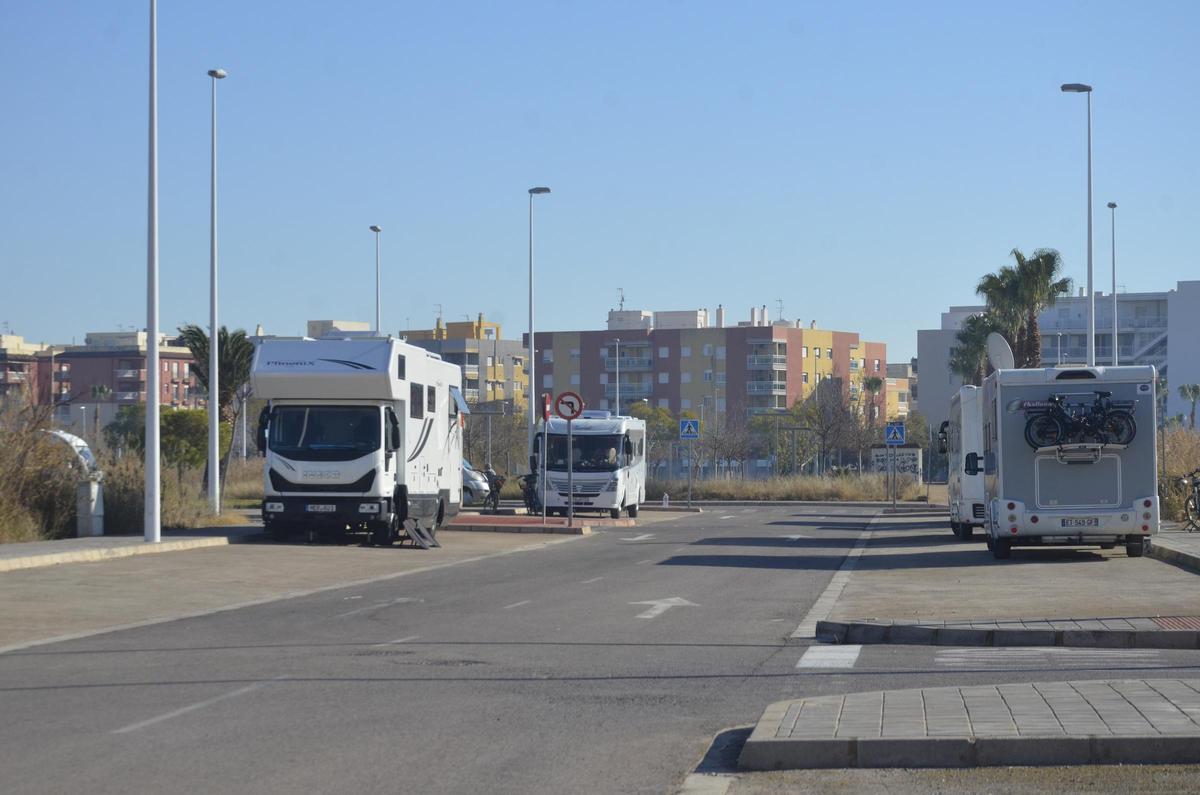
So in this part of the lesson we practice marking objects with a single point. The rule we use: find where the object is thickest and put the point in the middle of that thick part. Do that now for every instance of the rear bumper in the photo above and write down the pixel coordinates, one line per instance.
(1013, 519)
(340, 510)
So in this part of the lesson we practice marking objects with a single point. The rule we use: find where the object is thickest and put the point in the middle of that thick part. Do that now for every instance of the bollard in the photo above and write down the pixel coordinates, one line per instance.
(666, 500)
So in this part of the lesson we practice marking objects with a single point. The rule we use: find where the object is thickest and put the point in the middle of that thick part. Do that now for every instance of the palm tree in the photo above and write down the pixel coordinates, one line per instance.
(968, 359)
(1038, 284)
(1191, 392)
(1002, 292)
(871, 385)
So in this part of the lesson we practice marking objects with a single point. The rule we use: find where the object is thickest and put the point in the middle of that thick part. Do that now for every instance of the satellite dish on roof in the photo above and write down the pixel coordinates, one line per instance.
(999, 353)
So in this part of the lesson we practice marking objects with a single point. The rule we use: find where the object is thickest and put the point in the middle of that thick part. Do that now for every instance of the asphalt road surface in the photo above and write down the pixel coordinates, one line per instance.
(606, 664)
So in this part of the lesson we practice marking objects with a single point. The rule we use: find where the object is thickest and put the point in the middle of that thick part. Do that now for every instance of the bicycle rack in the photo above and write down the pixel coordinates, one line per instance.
(1079, 452)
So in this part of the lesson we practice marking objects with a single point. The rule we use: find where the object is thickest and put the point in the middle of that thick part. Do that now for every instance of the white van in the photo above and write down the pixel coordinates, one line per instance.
(960, 435)
(361, 433)
(609, 473)
(1069, 457)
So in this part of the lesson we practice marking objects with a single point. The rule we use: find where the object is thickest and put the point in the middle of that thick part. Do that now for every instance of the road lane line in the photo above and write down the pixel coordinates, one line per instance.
(589, 582)
(405, 639)
(241, 691)
(731, 516)
(378, 606)
(807, 630)
(517, 604)
(647, 560)
(829, 657)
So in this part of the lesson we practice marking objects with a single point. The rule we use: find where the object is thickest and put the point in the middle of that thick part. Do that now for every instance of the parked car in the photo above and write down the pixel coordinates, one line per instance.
(475, 485)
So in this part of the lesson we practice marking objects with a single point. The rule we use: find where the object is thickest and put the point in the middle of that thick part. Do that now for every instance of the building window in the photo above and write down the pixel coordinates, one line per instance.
(548, 356)
(547, 382)
(708, 375)
(488, 360)
(416, 401)
(400, 367)
(685, 378)
(174, 369)
(721, 404)
(829, 353)
(804, 352)
(708, 350)
(685, 351)
(574, 353)
(720, 351)
(877, 365)
(818, 378)
(574, 379)
(664, 403)
(721, 377)
(685, 404)
(664, 352)
(664, 378)
(804, 378)
(816, 352)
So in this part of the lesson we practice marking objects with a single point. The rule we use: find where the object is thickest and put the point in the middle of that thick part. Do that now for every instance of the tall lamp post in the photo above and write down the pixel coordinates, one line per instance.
(1112, 206)
(151, 508)
(214, 393)
(533, 389)
(1083, 88)
(618, 390)
(376, 229)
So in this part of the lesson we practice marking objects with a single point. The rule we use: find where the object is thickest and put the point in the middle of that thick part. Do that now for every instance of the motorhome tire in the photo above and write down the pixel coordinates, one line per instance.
(1002, 549)
(384, 534)
(990, 543)
(614, 513)
(279, 533)
(1135, 546)
(632, 511)
(966, 531)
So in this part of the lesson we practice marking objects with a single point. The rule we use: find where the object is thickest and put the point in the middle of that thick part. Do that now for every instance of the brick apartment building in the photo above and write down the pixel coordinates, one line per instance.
(681, 362)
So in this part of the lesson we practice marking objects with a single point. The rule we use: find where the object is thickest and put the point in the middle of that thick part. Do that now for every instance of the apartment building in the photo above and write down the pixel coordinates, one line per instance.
(687, 365)
(493, 367)
(1158, 328)
(902, 389)
(18, 365)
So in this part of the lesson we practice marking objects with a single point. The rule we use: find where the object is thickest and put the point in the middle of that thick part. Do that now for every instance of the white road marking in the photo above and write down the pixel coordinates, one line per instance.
(1049, 656)
(829, 657)
(589, 582)
(241, 691)
(517, 604)
(792, 537)
(828, 598)
(660, 606)
(647, 560)
(707, 784)
(378, 606)
(730, 516)
(642, 537)
(405, 639)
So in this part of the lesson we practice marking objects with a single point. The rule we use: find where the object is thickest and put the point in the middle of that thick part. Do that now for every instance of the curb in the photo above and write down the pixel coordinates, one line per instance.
(670, 509)
(917, 635)
(580, 530)
(111, 553)
(1184, 560)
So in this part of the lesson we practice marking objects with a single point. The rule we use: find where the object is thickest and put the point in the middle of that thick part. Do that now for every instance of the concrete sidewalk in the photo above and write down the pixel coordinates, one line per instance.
(1137, 721)
(1175, 545)
(35, 554)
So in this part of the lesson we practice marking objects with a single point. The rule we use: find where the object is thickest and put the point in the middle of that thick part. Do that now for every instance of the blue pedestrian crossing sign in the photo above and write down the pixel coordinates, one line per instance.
(894, 435)
(689, 429)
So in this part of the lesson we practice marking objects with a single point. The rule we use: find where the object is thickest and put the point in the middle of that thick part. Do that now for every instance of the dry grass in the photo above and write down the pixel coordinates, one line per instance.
(799, 487)
(37, 475)
(1181, 450)
(244, 483)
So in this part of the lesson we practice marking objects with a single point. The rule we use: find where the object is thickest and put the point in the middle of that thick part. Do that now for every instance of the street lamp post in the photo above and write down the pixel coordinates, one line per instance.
(533, 390)
(151, 508)
(618, 389)
(1112, 206)
(1083, 88)
(214, 399)
(376, 229)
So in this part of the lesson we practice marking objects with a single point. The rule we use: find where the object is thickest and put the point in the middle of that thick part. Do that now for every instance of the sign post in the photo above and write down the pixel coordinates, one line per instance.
(689, 431)
(569, 406)
(545, 421)
(894, 437)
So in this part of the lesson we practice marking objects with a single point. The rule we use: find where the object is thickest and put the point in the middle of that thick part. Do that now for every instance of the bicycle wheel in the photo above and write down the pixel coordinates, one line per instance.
(1043, 430)
(1120, 427)
(1191, 513)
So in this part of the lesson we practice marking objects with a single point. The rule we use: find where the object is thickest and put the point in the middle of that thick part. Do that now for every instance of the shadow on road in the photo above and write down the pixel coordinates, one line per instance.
(782, 543)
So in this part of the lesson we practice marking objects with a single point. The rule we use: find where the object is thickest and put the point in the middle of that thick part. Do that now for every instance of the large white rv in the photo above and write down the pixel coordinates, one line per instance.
(963, 434)
(362, 433)
(1069, 457)
(609, 473)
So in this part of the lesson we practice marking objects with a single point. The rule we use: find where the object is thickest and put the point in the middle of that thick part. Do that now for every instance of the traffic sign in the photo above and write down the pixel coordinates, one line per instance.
(894, 436)
(568, 405)
(689, 429)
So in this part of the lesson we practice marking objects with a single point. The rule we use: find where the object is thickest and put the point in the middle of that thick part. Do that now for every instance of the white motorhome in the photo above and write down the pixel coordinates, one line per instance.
(960, 435)
(609, 454)
(360, 433)
(1069, 457)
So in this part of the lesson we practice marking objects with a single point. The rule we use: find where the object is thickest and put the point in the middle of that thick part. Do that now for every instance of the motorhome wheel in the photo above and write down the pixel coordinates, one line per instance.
(1001, 549)
(1135, 546)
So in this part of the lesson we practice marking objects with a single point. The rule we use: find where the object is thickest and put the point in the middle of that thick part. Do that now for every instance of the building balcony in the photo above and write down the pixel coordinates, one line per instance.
(629, 364)
(628, 391)
(129, 397)
(472, 395)
(758, 411)
(130, 375)
(470, 370)
(15, 376)
(774, 361)
(766, 387)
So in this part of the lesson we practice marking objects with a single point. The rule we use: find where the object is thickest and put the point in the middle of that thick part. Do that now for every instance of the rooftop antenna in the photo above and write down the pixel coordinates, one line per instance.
(779, 303)
(439, 314)
(620, 299)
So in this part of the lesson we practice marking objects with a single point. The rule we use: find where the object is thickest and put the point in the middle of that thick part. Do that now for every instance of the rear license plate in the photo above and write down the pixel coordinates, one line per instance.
(1090, 521)
(332, 508)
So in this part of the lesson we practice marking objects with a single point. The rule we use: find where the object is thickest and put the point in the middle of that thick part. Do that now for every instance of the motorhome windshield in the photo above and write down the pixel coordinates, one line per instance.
(324, 433)
(599, 453)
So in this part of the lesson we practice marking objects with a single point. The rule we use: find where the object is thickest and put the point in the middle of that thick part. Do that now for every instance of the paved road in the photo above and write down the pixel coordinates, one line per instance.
(605, 664)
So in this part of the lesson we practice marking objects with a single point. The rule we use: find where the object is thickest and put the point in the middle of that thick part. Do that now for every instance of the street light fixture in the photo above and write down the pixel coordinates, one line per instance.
(1083, 88)
(214, 399)
(533, 390)
(376, 229)
(1112, 206)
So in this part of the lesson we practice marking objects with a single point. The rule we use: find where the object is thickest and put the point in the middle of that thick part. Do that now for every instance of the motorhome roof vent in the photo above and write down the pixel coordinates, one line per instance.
(1074, 375)
(596, 414)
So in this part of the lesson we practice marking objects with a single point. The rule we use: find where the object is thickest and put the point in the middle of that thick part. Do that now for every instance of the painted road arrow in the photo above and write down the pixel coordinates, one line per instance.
(795, 537)
(660, 606)
(642, 537)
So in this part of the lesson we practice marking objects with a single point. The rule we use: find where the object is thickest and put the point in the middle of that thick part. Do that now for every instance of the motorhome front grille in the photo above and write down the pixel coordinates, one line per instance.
(581, 489)
(977, 510)
(283, 485)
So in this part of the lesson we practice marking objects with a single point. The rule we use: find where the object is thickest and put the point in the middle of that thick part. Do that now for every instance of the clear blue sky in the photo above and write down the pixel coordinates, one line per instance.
(865, 162)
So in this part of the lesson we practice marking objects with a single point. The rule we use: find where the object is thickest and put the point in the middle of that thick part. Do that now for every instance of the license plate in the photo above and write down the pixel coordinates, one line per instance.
(1090, 521)
(320, 508)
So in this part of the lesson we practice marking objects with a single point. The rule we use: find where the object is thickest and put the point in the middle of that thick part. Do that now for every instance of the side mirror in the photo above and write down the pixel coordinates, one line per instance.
(394, 436)
(971, 465)
(628, 447)
(533, 465)
(264, 417)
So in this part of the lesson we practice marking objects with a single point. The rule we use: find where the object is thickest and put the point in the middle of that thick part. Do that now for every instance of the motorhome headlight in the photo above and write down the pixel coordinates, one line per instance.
(611, 485)
(274, 507)
(368, 507)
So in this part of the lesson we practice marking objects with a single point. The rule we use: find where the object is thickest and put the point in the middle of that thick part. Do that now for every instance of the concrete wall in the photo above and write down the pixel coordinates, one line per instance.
(1183, 353)
(937, 383)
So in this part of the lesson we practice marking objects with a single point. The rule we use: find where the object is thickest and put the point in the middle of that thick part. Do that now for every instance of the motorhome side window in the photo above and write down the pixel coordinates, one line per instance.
(400, 367)
(416, 401)
(431, 406)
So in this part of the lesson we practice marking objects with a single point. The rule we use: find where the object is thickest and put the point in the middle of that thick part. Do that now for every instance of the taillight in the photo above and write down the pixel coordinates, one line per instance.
(1033, 519)
(1012, 506)
(1145, 528)
(1012, 530)
(1147, 503)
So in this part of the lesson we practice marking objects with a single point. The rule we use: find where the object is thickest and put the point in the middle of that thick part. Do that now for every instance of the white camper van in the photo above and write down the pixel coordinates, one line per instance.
(960, 435)
(1069, 457)
(609, 473)
(362, 433)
